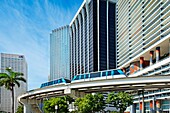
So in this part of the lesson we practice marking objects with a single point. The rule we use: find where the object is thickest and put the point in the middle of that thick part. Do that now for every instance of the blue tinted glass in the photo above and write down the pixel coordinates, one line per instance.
(94, 75)
(50, 83)
(86, 76)
(112, 73)
(77, 78)
(103, 73)
(82, 76)
(74, 77)
(59, 81)
(106, 73)
(109, 73)
(120, 71)
(55, 82)
(63, 80)
(116, 72)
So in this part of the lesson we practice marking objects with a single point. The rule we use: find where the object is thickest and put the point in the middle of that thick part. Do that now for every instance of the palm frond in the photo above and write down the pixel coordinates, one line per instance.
(1, 83)
(3, 75)
(10, 79)
(20, 79)
(9, 70)
(19, 74)
(18, 84)
(7, 84)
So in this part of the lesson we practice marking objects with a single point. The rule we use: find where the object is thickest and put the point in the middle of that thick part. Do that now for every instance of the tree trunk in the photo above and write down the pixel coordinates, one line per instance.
(12, 90)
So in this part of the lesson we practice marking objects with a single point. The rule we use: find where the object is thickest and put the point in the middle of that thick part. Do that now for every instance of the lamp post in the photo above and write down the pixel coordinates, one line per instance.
(56, 107)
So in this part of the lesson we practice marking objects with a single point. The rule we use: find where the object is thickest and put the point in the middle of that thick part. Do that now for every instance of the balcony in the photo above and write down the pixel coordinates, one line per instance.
(160, 68)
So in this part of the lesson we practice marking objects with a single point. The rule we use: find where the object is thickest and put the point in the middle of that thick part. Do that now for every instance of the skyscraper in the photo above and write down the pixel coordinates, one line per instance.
(93, 37)
(143, 47)
(59, 53)
(18, 64)
(141, 29)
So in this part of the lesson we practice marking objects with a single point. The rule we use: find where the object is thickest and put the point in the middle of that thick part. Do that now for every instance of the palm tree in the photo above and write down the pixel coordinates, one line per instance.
(9, 80)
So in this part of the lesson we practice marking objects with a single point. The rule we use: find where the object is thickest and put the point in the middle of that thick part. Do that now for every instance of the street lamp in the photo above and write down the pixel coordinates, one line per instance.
(56, 107)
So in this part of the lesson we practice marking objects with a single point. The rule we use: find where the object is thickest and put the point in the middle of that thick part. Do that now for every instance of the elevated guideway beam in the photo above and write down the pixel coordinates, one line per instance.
(78, 89)
(135, 83)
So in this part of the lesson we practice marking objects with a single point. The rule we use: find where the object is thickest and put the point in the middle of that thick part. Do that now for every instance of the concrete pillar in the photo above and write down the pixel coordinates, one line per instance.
(154, 107)
(143, 102)
(133, 108)
(27, 108)
(124, 70)
(157, 54)
(151, 106)
(158, 106)
(140, 107)
(141, 62)
(140, 104)
(151, 57)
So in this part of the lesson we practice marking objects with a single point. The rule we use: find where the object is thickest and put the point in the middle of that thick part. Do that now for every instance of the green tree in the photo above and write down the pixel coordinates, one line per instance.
(20, 109)
(90, 103)
(61, 102)
(120, 100)
(9, 80)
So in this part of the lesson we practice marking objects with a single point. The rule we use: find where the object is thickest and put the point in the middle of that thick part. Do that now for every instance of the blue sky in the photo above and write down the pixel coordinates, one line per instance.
(25, 27)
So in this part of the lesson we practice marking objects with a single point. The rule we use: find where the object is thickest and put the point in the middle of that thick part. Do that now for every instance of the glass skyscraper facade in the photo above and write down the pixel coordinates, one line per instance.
(59, 53)
(17, 64)
(93, 37)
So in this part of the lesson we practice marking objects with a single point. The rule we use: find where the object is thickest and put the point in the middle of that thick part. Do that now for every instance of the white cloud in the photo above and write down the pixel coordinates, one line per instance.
(25, 29)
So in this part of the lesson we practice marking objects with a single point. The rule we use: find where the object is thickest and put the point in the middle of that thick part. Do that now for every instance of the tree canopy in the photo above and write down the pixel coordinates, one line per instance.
(120, 100)
(61, 102)
(20, 109)
(90, 103)
(10, 79)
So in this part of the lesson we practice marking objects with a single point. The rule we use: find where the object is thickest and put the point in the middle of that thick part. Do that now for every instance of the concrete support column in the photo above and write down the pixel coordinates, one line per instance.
(157, 54)
(151, 57)
(140, 104)
(133, 108)
(141, 62)
(27, 108)
(158, 106)
(143, 102)
(140, 107)
(154, 107)
(151, 106)
(124, 70)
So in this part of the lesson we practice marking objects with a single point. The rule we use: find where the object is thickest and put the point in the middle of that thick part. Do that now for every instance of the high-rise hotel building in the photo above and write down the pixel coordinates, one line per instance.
(59, 53)
(143, 47)
(143, 28)
(18, 64)
(93, 37)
